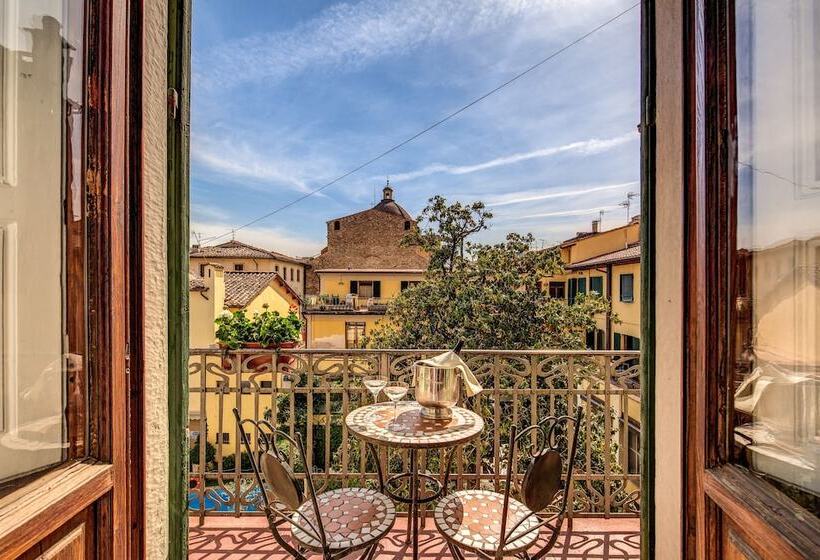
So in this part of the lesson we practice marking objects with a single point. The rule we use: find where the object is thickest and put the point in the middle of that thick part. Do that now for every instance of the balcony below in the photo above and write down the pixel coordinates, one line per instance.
(248, 538)
(350, 304)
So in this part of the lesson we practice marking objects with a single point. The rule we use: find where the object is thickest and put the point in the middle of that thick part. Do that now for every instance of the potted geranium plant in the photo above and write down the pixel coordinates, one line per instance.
(268, 329)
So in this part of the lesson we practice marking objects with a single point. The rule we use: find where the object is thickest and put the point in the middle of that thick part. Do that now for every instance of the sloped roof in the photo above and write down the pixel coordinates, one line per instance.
(387, 205)
(242, 287)
(392, 207)
(237, 249)
(196, 283)
(630, 254)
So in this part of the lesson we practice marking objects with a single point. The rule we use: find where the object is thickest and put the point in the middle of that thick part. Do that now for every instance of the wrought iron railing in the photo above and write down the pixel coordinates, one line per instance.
(310, 391)
(337, 304)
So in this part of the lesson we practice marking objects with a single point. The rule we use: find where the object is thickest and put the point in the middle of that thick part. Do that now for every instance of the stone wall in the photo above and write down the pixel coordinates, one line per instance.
(366, 240)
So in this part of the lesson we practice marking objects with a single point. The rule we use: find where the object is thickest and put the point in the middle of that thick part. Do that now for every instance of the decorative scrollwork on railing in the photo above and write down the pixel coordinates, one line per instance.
(310, 392)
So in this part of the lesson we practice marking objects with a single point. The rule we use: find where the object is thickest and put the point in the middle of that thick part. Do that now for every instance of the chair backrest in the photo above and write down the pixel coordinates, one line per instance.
(542, 479)
(270, 464)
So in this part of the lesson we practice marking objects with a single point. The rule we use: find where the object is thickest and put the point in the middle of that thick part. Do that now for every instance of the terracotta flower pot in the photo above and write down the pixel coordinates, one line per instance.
(261, 361)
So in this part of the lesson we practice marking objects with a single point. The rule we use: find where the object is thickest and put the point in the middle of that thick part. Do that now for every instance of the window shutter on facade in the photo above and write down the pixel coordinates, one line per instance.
(377, 288)
(354, 287)
(596, 284)
(617, 341)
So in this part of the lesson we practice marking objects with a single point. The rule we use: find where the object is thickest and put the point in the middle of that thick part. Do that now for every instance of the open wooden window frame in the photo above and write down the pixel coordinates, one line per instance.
(101, 480)
(717, 491)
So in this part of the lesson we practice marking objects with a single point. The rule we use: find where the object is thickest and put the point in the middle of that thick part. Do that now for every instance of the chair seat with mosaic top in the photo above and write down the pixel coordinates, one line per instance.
(334, 523)
(494, 525)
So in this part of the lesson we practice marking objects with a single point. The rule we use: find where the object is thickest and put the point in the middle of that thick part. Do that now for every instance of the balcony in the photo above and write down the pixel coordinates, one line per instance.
(349, 304)
(310, 391)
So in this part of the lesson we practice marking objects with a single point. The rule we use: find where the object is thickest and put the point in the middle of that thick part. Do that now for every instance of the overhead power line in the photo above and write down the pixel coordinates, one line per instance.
(429, 128)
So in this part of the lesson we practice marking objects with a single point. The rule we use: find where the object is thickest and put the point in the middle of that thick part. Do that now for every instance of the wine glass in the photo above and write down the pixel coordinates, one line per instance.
(395, 391)
(375, 385)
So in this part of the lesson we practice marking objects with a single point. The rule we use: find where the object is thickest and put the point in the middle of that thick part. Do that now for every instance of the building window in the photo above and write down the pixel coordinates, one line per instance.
(616, 341)
(337, 225)
(291, 275)
(576, 286)
(276, 269)
(599, 339)
(596, 284)
(407, 284)
(627, 284)
(590, 340)
(407, 225)
(557, 290)
(223, 437)
(238, 267)
(298, 275)
(202, 270)
(632, 342)
(366, 288)
(245, 387)
(354, 334)
(633, 450)
(266, 384)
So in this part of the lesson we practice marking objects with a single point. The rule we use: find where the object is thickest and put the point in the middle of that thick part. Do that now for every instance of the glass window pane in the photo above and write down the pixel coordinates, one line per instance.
(41, 340)
(777, 383)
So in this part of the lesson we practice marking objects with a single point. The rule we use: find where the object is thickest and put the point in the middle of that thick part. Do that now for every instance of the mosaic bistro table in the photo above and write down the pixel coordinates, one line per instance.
(406, 428)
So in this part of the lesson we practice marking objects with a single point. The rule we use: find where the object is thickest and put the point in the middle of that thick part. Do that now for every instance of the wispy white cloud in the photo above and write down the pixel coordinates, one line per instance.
(239, 162)
(537, 196)
(582, 147)
(277, 239)
(351, 35)
(574, 212)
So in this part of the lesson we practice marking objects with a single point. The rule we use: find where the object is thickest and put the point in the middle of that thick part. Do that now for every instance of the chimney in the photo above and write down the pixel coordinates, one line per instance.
(595, 225)
(387, 191)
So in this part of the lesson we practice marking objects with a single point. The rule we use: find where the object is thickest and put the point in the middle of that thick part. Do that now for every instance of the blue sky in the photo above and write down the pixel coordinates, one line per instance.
(288, 95)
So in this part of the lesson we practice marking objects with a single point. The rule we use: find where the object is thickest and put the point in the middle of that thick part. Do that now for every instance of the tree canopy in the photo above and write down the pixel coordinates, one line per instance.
(488, 295)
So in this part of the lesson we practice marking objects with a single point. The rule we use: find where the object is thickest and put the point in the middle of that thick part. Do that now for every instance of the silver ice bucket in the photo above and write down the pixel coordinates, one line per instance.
(437, 390)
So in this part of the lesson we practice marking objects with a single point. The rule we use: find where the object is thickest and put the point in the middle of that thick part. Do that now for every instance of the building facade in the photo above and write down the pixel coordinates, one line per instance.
(608, 263)
(236, 256)
(209, 295)
(363, 267)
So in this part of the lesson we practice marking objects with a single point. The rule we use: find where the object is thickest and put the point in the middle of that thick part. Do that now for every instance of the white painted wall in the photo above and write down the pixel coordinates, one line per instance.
(156, 272)
(668, 440)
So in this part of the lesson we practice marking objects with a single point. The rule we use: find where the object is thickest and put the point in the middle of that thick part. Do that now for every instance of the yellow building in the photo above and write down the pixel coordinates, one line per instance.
(217, 290)
(362, 268)
(240, 257)
(609, 263)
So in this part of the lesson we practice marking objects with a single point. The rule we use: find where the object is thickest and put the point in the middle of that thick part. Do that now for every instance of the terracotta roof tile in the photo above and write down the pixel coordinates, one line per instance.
(237, 249)
(196, 283)
(242, 287)
(630, 254)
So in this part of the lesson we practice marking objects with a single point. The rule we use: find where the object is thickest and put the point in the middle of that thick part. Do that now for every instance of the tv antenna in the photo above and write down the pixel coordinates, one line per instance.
(628, 202)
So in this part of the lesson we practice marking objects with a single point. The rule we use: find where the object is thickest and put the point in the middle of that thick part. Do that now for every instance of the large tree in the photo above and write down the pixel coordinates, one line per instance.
(489, 295)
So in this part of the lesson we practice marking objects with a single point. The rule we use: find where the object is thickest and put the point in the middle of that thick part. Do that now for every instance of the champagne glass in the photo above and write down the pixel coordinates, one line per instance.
(395, 391)
(375, 385)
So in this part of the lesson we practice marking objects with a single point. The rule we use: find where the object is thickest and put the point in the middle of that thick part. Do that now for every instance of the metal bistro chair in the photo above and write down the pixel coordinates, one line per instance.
(493, 525)
(333, 523)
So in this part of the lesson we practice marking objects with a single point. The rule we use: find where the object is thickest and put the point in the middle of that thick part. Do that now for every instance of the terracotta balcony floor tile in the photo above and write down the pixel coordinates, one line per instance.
(248, 538)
